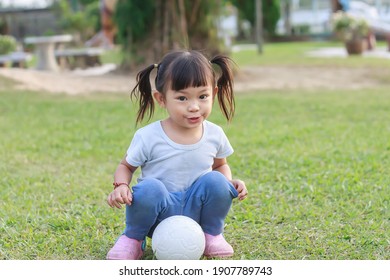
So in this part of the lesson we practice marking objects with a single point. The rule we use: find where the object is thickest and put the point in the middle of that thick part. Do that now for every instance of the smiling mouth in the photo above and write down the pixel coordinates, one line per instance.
(194, 119)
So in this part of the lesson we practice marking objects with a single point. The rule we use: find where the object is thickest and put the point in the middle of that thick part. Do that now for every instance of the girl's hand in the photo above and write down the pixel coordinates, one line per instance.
(241, 188)
(121, 195)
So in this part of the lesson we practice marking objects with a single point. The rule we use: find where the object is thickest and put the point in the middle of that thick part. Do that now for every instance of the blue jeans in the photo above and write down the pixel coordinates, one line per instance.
(207, 201)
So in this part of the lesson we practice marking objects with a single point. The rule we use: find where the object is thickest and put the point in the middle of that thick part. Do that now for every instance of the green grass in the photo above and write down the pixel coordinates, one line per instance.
(316, 164)
(295, 54)
(112, 56)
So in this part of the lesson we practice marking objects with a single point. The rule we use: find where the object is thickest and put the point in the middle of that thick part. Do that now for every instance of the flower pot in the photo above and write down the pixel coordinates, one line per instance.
(355, 47)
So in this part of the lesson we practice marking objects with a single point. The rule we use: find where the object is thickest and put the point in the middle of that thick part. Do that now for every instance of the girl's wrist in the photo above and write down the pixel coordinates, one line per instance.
(117, 184)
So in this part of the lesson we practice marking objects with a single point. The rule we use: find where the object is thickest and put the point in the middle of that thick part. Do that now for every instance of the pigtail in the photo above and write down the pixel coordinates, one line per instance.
(225, 85)
(143, 92)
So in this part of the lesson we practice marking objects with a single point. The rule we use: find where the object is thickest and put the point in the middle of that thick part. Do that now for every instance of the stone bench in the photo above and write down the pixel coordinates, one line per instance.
(79, 58)
(44, 50)
(16, 59)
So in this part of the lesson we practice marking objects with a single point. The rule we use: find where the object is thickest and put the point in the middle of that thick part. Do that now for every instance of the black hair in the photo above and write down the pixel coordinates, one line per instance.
(182, 69)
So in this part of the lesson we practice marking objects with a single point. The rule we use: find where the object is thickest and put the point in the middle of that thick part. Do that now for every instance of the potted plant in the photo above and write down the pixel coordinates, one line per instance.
(353, 31)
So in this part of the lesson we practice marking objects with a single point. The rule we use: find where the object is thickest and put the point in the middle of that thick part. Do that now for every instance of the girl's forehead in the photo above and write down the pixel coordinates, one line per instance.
(180, 83)
(195, 89)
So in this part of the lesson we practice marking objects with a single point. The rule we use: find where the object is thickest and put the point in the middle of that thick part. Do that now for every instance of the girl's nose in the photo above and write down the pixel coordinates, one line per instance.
(194, 106)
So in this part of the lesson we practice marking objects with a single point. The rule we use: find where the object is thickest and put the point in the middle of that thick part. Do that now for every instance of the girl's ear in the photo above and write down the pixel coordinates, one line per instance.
(215, 91)
(159, 97)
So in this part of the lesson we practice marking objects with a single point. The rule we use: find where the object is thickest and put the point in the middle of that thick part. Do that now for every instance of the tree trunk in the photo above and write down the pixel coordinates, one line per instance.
(183, 24)
(165, 37)
(169, 24)
(158, 43)
(336, 6)
(259, 26)
(194, 12)
(287, 17)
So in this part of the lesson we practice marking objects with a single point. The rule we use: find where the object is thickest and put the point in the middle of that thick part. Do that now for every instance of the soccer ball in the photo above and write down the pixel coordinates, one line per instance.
(178, 238)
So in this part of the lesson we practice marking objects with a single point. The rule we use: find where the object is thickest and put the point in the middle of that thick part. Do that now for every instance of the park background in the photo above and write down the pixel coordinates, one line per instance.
(311, 137)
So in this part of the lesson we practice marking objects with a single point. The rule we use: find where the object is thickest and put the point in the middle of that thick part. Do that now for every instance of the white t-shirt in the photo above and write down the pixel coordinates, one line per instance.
(177, 166)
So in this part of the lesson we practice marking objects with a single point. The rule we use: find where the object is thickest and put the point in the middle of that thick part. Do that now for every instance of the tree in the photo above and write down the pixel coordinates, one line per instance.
(271, 13)
(147, 29)
(81, 23)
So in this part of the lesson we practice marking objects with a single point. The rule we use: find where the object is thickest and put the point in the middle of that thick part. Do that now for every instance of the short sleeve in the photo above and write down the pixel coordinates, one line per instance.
(225, 149)
(136, 154)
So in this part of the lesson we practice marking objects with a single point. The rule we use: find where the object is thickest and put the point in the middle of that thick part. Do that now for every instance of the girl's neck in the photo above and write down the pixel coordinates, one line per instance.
(181, 135)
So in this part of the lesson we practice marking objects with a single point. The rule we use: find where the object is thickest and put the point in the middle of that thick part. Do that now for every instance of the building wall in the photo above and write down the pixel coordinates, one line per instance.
(29, 22)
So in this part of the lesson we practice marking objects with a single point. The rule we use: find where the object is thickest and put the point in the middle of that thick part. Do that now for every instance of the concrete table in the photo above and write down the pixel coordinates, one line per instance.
(45, 50)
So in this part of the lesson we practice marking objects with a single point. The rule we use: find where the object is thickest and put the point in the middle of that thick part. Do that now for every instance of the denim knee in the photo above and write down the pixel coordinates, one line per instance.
(215, 184)
(149, 199)
(209, 201)
(149, 192)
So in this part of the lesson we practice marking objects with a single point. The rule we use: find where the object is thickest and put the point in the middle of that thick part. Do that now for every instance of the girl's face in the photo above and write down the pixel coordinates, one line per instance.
(189, 107)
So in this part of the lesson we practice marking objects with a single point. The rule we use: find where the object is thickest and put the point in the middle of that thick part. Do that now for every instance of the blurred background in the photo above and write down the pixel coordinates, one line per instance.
(136, 32)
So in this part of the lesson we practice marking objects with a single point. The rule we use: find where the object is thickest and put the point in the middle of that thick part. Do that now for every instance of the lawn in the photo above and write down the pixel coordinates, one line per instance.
(294, 54)
(316, 164)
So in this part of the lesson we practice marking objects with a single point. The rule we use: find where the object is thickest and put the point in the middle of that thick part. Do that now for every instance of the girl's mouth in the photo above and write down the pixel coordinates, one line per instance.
(194, 119)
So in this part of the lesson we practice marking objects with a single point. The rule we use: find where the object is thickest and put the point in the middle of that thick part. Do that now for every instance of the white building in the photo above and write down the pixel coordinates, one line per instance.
(313, 16)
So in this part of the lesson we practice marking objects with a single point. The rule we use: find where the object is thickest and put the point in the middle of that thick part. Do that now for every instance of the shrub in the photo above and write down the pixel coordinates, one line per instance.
(7, 44)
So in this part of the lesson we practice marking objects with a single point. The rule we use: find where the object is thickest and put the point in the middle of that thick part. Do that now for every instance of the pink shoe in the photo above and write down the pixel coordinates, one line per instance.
(126, 249)
(216, 246)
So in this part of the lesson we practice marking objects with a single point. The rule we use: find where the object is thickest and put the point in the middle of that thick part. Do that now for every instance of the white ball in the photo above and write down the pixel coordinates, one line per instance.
(178, 238)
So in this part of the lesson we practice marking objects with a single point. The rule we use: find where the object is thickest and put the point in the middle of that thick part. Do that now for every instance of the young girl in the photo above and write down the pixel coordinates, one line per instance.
(183, 163)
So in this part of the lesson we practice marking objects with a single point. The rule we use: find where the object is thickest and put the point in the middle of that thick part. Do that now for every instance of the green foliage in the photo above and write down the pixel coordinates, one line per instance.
(88, 2)
(92, 12)
(246, 9)
(83, 22)
(134, 19)
(271, 15)
(7, 44)
(202, 32)
(3, 26)
(270, 8)
(147, 29)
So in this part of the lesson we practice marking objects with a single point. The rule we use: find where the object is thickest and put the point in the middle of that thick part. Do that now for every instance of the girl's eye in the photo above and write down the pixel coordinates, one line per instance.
(182, 98)
(203, 96)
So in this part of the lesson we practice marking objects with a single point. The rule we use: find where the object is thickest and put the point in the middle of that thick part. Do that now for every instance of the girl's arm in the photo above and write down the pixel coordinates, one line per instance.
(221, 165)
(122, 194)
